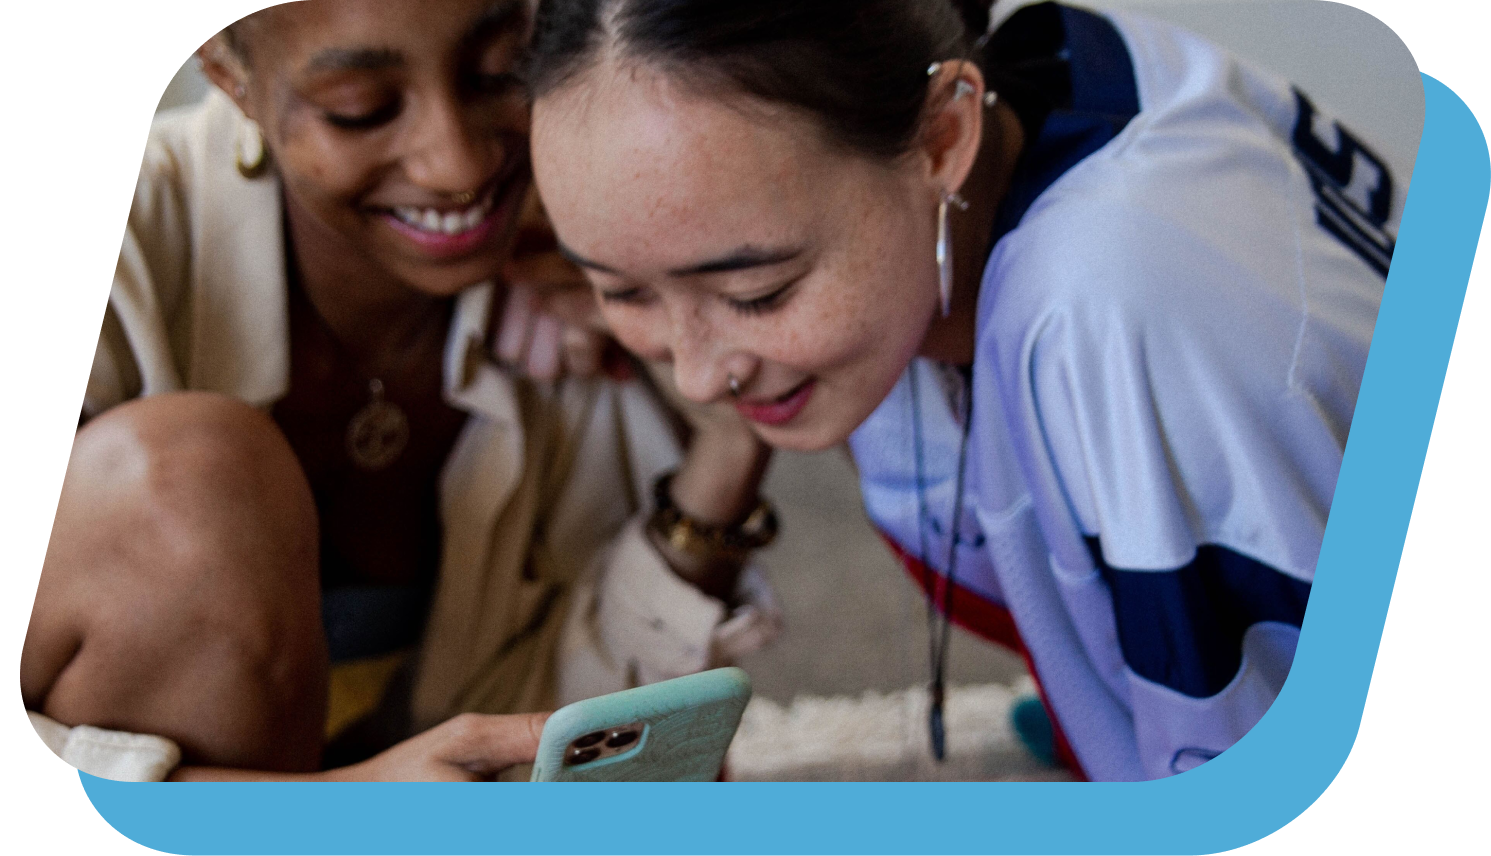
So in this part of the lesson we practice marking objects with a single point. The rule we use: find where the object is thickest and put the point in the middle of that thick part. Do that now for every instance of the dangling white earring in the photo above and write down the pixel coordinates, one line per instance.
(945, 251)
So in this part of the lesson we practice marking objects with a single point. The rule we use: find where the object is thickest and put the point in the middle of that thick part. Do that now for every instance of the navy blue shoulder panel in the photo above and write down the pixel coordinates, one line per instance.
(1070, 78)
(1102, 70)
(1184, 628)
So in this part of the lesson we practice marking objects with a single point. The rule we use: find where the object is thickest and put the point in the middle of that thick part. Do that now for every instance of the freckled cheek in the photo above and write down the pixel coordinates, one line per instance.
(833, 331)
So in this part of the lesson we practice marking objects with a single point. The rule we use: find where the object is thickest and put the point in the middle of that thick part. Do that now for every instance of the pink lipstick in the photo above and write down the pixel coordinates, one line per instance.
(778, 411)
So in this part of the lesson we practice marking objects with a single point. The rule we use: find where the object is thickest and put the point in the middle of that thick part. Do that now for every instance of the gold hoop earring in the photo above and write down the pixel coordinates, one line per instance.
(250, 154)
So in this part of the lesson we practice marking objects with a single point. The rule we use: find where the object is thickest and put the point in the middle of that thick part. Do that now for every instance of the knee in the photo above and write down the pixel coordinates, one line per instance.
(192, 448)
(180, 592)
(192, 473)
(186, 520)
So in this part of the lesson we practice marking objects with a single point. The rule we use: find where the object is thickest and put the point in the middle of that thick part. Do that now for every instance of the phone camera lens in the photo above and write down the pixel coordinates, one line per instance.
(581, 756)
(590, 739)
(621, 738)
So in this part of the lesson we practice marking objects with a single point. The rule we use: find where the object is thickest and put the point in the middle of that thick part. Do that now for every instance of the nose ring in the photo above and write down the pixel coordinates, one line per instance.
(734, 383)
(464, 197)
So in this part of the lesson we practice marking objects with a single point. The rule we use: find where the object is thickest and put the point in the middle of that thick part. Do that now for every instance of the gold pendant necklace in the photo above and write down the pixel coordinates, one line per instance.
(378, 433)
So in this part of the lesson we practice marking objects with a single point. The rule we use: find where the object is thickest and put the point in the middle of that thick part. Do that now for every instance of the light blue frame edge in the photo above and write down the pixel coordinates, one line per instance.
(1265, 781)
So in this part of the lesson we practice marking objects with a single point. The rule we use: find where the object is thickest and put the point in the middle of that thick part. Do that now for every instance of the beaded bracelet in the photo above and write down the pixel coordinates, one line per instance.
(707, 540)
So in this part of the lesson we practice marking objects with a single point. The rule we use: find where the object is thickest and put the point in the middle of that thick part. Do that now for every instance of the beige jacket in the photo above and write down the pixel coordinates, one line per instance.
(548, 590)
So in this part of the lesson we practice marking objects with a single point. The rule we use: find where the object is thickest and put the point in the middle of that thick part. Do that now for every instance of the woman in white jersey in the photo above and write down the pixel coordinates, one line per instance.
(1089, 299)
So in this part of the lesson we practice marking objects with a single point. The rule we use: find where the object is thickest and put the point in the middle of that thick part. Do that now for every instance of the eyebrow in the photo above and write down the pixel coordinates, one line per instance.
(355, 59)
(742, 258)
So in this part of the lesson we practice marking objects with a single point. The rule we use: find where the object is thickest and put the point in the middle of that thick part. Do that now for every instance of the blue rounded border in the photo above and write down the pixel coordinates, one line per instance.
(1255, 788)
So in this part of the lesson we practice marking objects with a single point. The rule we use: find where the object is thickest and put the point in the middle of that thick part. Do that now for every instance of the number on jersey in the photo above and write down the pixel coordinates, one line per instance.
(1353, 188)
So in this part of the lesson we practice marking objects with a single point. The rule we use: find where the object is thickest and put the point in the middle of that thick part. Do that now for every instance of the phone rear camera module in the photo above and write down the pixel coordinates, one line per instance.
(582, 756)
(621, 738)
(609, 742)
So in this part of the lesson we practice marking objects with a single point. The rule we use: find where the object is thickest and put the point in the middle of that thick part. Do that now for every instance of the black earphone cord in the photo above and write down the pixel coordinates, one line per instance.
(939, 634)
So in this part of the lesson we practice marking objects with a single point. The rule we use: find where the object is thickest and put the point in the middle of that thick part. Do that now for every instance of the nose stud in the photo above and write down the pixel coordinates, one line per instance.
(734, 383)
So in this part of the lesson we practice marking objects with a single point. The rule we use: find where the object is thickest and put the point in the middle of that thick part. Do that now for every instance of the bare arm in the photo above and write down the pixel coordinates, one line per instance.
(466, 748)
(716, 484)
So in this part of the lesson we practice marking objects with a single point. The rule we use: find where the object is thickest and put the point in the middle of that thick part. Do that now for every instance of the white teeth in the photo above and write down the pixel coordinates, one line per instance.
(445, 223)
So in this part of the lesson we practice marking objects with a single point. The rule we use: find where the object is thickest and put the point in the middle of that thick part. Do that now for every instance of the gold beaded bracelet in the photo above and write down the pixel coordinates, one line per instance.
(706, 540)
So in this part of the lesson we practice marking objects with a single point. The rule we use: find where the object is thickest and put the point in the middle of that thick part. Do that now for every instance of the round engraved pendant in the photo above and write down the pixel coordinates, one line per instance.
(378, 432)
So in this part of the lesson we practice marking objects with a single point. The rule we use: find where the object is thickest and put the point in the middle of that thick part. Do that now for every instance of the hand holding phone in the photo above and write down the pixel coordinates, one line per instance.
(672, 731)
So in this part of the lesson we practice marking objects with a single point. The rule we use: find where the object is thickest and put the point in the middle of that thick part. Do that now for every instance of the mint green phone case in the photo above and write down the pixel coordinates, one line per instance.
(686, 726)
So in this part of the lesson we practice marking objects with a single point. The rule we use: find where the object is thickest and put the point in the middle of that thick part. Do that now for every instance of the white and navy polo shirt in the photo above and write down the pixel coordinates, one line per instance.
(1172, 328)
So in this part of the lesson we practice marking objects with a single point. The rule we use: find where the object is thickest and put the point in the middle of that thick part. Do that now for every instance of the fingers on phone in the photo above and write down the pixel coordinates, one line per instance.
(487, 744)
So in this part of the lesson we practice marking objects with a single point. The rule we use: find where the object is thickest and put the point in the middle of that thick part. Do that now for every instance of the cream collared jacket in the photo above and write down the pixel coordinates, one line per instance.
(548, 590)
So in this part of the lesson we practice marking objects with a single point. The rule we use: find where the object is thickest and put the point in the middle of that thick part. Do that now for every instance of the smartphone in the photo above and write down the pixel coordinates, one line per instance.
(672, 731)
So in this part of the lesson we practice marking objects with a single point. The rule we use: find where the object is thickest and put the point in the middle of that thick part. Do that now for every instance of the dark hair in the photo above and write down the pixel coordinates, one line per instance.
(857, 66)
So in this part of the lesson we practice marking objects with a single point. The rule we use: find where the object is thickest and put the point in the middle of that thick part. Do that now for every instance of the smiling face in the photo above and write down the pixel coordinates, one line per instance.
(397, 127)
(725, 236)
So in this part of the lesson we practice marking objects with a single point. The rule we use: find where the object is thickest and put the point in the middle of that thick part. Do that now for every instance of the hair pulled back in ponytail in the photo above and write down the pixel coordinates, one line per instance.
(859, 67)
